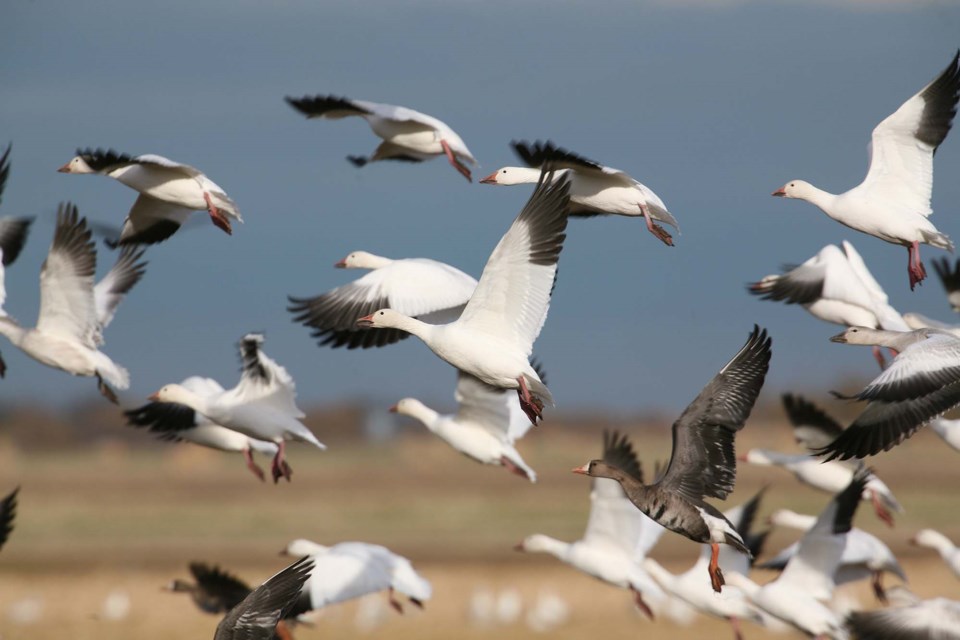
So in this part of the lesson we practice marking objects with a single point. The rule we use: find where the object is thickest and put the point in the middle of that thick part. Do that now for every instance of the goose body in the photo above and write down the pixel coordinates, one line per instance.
(169, 192)
(487, 423)
(261, 406)
(594, 188)
(893, 201)
(425, 289)
(408, 135)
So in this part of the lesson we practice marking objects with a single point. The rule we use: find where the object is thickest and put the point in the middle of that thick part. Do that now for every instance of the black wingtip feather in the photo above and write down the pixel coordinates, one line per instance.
(539, 154)
(13, 237)
(8, 512)
(618, 452)
(849, 499)
(101, 160)
(940, 107)
(317, 106)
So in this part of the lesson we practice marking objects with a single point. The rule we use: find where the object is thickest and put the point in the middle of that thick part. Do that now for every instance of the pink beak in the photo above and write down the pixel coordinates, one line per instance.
(490, 179)
(393, 409)
(742, 457)
(518, 546)
(154, 397)
(779, 193)
(341, 264)
(584, 470)
(64, 169)
(365, 321)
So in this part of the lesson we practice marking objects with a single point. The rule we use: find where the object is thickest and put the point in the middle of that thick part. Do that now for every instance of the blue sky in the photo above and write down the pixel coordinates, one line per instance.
(711, 104)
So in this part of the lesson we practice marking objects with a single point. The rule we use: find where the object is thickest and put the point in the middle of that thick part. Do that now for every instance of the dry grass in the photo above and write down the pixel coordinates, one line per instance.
(113, 519)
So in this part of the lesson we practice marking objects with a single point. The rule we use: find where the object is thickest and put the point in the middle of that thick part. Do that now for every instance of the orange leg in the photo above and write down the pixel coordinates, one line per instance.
(882, 512)
(716, 576)
(216, 216)
(257, 471)
(456, 164)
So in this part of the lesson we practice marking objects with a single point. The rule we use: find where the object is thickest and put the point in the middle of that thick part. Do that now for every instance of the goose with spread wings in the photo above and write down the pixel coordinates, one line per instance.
(493, 338)
(893, 201)
(169, 192)
(702, 463)
(262, 405)
(618, 536)
(408, 135)
(257, 615)
(73, 310)
(418, 287)
(594, 189)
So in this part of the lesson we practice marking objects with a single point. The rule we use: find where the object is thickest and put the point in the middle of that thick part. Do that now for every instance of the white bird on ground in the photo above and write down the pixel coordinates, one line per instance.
(262, 405)
(73, 311)
(934, 619)
(921, 383)
(799, 594)
(942, 544)
(179, 423)
(618, 535)
(408, 135)
(485, 427)
(594, 189)
(864, 555)
(493, 337)
(352, 569)
(425, 289)
(893, 201)
(169, 193)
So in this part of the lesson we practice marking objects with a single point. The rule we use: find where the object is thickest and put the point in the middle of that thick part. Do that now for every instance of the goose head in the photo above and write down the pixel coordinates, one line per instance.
(534, 544)
(512, 175)
(382, 319)
(362, 260)
(598, 469)
(76, 165)
(856, 335)
(180, 586)
(794, 189)
(303, 547)
(929, 538)
(408, 407)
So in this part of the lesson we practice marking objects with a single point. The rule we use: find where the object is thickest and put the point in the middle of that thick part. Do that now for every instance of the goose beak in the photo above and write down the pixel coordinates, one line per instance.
(365, 321)
(283, 553)
(584, 470)
(913, 540)
(840, 337)
(340, 264)
(742, 457)
(518, 546)
(490, 179)
(779, 193)
(64, 169)
(154, 397)
(393, 409)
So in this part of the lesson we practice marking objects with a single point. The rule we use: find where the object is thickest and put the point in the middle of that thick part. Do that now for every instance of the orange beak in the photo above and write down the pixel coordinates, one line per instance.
(365, 321)
(584, 470)
(742, 457)
(393, 409)
(64, 169)
(341, 264)
(779, 193)
(155, 397)
(490, 179)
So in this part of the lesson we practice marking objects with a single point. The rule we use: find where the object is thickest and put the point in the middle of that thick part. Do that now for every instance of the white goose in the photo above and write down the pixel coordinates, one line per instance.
(262, 405)
(74, 312)
(864, 555)
(169, 193)
(594, 188)
(933, 619)
(493, 338)
(418, 287)
(893, 201)
(487, 423)
(180, 423)
(618, 535)
(919, 385)
(942, 544)
(349, 570)
(408, 135)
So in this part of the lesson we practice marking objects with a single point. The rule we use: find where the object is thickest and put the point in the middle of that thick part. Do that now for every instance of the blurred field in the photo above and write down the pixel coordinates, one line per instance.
(97, 520)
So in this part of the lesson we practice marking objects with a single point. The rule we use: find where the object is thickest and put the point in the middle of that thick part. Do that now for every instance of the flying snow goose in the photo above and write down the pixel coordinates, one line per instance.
(950, 278)
(594, 188)
(942, 544)
(730, 604)
(799, 594)
(618, 536)
(257, 616)
(8, 511)
(493, 337)
(408, 135)
(73, 311)
(169, 193)
(179, 423)
(349, 570)
(418, 287)
(893, 201)
(261, 406)
(702, 462)
(835, 286)
(864, 555)
(921, 383)
(487, 423)
(933, 619)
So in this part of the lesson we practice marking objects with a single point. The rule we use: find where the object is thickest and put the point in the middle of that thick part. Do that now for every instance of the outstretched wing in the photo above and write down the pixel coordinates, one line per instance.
(256, 617)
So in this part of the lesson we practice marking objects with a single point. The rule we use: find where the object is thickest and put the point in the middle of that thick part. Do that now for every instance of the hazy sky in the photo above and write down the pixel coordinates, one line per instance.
(711, 104)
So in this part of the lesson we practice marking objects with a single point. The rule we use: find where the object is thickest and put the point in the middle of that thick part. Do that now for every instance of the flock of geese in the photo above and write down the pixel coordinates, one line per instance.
(486, 329)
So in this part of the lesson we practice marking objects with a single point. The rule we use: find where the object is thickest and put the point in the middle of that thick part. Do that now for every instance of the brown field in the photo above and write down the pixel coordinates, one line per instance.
(98, 520)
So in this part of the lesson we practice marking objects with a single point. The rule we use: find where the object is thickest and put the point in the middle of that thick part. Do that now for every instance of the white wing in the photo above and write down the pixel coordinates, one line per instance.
(489, 408)
(888, 317)
(263, 380)
(921, 368)
(614, 521)
(346, 571)
(109, 292)
(513, 295)
(66, 281)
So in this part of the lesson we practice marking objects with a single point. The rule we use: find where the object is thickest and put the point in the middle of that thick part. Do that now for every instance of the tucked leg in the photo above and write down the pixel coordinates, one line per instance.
(512, 468)
(459, 166)
(106, 391)
(915, 265)
(878, 355)
(283, 631)
(280, 468)
(217, 216)
(394, 602)
(530, 405)
(3, 368)
(882, 512)
(417, 602)
(656, 229)
(643, 606)
(878, 590)
(716, 576)
(257, 471)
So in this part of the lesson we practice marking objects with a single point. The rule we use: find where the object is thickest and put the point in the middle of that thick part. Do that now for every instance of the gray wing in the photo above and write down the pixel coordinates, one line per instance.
(256, 617)
(702, 462)
(812, 427)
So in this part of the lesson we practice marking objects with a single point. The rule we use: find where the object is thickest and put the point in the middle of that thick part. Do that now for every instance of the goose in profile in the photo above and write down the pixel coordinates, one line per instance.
(179, 423)
(349, 570)
(493, 338)
(618, 536)
(73, 310)
(169, 193)
(261, 406)
(921, 383)
(594, 189)
(702, 462)
(948, 551)
(425, 289)
(485, 427)
(257, 615)
(893, 201)
(8, 511)
(408, 135)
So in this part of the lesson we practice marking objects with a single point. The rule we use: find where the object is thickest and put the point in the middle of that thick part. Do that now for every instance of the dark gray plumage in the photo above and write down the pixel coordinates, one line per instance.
(104, 161)
(812, 427)
(8, 511)
(166, 419)
(545, 216)
(256, 617)
(940, 105)
(326, 106)
(787, 289)
(934, 619)
(250, 366)
(538, 154)
(333, 318)
(214, 590)
(13, 231)
(950, 278)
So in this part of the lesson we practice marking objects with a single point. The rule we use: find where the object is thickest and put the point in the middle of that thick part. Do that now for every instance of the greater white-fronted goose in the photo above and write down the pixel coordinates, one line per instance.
(256, 617)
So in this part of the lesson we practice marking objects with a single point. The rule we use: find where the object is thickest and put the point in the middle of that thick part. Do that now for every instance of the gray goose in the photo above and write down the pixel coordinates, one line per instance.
(702, 463)
(256, 617)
